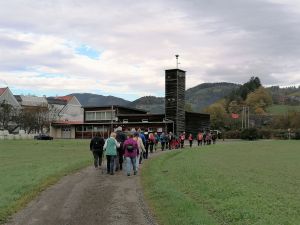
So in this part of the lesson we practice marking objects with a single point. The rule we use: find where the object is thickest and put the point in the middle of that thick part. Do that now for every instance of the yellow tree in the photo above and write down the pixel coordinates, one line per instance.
(259, 100)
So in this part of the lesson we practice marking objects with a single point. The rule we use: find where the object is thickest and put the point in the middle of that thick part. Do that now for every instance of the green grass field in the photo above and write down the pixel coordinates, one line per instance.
(282, 109)
(239, 183)
(28, 167)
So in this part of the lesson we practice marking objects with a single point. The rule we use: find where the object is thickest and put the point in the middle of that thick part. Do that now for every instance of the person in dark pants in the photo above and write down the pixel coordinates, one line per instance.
(121, 138)
(110, 147)
(191, 140)
(96, 146)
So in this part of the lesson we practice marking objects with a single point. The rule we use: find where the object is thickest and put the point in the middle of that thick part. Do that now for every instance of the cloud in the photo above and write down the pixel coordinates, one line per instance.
(118, 47)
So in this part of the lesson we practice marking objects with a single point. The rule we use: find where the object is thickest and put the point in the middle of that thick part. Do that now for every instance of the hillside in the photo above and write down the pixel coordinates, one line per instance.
(87, 99)
(199, 97)
(152, 104)
(205, 94)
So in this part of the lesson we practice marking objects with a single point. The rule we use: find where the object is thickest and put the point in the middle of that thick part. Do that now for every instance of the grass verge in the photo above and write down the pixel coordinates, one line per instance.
(28, 167)
(241, 183)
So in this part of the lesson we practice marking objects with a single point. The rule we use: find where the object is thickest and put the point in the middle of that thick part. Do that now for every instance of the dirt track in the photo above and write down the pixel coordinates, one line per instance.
(88, 197)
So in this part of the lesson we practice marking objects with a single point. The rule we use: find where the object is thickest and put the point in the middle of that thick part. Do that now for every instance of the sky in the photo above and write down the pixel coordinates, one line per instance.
(123, 47)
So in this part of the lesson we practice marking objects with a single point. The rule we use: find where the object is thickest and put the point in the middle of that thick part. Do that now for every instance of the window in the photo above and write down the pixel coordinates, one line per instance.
(125, 120)
(100, 115)
(89, 115)
(145, 120)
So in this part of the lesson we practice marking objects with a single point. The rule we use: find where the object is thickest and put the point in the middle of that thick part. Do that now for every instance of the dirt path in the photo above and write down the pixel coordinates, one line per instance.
(88, 197)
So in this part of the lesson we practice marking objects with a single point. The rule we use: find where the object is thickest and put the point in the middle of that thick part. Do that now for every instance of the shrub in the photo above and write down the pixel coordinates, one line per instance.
(265, 133)
(250, 134)
(232, 134)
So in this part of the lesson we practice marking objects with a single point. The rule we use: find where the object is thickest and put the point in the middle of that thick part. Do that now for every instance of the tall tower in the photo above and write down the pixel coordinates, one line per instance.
(175, 99)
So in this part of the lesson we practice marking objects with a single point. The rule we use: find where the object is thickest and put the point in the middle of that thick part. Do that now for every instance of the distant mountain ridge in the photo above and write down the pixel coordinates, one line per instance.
(88, 99)
(199, 97)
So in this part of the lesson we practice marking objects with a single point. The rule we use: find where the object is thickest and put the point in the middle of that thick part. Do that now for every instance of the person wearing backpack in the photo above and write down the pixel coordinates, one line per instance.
(131, 151)
(121, 137)
(151, 141)
(96, 147)
(110, 147)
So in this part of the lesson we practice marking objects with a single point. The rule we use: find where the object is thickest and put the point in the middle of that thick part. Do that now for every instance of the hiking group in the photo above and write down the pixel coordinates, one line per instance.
(133, 147)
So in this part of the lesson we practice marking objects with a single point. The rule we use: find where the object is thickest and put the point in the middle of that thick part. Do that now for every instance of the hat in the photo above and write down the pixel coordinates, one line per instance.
(136, 134)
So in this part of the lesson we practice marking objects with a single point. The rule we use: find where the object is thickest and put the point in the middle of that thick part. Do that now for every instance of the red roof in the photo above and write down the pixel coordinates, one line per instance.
(65, 98)
(2, 90)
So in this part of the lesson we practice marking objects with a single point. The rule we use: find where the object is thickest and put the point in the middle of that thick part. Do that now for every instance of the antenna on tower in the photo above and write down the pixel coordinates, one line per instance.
(177, 63)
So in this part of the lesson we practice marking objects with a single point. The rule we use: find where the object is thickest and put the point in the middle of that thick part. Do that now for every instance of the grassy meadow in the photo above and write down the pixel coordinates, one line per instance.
(282, 109)
(238, 183)
(29, 166)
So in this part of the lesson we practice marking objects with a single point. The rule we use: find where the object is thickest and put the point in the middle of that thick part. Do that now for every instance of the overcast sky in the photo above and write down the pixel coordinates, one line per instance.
(122, 47)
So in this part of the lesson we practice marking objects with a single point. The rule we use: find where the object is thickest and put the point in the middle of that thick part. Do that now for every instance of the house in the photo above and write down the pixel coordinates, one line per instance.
(7, 96)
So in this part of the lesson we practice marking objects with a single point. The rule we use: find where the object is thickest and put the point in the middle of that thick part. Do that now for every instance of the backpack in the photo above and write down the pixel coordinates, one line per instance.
(98, 143)
(129, 148)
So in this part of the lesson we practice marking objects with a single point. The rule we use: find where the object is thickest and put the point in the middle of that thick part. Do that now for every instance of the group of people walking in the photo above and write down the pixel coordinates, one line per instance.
(118, 147)
(134, 147)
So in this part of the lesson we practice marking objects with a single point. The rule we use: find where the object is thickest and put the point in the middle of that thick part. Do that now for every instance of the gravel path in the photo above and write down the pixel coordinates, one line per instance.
(88, 197)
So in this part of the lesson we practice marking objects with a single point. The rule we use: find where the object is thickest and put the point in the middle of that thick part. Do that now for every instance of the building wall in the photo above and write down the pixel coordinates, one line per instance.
(72, 111)
(196, 122)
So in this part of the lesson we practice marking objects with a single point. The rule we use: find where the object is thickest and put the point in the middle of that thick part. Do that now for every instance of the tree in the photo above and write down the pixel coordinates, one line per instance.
(218, 115)
(259, 100)
(8, 116)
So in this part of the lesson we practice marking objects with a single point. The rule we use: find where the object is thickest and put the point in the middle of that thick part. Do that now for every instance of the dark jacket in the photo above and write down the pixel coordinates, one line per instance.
(97, 144)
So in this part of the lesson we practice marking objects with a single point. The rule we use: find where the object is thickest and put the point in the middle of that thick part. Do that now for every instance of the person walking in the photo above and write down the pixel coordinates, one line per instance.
(191, 140)
(162, 140)
(110, 147)
(182, 138)
(141, 149)
(156, 137)
(96, 146)
(131, 151)
(151, 140)
(200, 138)
(121, 137)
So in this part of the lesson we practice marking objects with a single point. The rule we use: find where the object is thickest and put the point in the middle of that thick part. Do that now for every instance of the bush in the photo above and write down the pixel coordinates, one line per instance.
(265, 133)
(232, 134)
(250, 134)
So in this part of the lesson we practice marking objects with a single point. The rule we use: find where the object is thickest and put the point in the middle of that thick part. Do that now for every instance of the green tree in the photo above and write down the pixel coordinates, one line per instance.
(218, 115)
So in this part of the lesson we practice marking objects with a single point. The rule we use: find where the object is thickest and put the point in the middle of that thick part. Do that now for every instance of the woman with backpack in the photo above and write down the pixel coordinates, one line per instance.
(131, 151)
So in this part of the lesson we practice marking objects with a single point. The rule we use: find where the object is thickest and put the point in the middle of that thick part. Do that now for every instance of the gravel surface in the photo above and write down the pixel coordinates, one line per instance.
(88, 197)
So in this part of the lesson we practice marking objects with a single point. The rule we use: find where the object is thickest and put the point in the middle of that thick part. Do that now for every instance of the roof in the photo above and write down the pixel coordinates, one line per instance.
(2, 90)
(33, 100)
(65, 98)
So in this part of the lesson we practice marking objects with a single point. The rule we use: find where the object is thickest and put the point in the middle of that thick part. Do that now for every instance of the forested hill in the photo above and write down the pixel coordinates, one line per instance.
(87, 99)
(199, 97)
(152, 104)
(205, 94)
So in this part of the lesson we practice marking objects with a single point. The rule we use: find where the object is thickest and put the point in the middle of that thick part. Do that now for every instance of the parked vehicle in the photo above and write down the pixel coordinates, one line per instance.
(43, 137)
